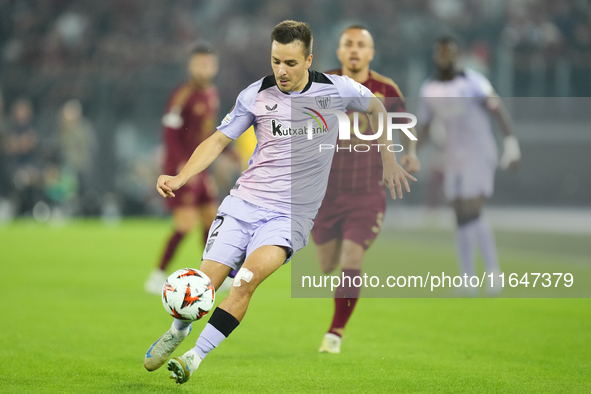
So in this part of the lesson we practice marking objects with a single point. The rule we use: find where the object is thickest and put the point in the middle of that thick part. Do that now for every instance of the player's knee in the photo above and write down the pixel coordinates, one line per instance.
(352, 261)
(352, 255)
(352, 264)
(245, 282)
(327, 268)
(328, 264)
(183, 226)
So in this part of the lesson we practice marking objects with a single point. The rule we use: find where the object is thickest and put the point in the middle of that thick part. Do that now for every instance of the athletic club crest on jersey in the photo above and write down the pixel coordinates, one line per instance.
(209, 244)
(323, 101)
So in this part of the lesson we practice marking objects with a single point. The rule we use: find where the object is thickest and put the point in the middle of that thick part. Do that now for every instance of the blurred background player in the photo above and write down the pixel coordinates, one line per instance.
(461, 100)
(190, 118)
(78, 148)
(353, 209)
(5, 184)
(22, 150)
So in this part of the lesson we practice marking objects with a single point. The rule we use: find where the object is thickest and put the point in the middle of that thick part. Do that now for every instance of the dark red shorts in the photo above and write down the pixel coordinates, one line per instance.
(357, 217)
(200, 190)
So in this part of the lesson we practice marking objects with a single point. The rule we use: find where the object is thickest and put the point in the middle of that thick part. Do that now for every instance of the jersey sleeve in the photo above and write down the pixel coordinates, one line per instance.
(241, 116)
(173, 126)
(424, 112)
(355, 96)
(480, 84)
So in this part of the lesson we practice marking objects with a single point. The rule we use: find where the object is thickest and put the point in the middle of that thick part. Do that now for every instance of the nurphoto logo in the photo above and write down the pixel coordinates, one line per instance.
(345, 129)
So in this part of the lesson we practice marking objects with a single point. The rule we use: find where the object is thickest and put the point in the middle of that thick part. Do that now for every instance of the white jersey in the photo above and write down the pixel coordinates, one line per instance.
(460, 105)
(287, 173)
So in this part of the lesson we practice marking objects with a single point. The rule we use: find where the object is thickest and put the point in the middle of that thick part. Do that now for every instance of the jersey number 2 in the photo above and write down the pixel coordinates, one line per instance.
(215, 230)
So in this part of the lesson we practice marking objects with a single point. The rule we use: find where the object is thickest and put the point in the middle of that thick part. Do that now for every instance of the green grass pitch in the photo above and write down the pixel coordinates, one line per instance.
(75, 319)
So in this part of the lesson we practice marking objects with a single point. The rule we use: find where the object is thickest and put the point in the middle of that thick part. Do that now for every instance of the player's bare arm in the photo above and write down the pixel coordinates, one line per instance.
(511, 152)
(394, 175)
(201, 158)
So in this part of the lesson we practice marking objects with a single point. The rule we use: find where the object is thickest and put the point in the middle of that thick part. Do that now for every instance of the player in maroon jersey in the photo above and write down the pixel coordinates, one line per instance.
(190, 117)
(356, 199)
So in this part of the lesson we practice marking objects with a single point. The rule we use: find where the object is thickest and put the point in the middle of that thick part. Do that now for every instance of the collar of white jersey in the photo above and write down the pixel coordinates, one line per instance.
(458, 74)
(313, 77)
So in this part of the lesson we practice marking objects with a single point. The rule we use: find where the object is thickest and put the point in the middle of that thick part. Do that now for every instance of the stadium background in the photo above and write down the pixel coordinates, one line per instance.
(122, 58)
(75, 316)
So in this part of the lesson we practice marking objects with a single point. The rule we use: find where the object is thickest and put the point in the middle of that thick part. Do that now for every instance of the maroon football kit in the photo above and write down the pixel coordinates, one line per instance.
(191, 115)
(355, 201)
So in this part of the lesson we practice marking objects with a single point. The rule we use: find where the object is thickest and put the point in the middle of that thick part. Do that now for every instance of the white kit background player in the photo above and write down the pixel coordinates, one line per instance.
(262, 224)
(462, 101)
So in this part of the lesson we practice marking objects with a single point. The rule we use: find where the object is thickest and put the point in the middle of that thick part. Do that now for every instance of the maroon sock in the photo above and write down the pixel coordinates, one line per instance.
(345, 298)
(173, 242)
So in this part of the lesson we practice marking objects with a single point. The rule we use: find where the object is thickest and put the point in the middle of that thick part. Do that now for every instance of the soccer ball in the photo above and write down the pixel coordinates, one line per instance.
(188, 294)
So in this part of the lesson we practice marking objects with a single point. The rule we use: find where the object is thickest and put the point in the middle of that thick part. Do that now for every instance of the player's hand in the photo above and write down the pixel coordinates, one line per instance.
(410, 163)
(514, 165)
(395, 178)
(167, 184)
(511, 154)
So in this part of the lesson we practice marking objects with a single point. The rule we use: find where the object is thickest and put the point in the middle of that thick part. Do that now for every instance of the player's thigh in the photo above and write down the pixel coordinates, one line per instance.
(329, 254)
(217, 272)
(257, 267)
(282, 231)
(364, 219)
(227, 241)
(185, 218)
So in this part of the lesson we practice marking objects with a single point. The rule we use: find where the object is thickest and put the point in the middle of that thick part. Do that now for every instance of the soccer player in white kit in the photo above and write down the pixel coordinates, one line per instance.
(461, 100)
(268, 215)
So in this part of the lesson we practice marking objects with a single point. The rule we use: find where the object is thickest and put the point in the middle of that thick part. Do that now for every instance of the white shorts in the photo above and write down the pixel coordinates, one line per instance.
(471, 181)
(241, 227)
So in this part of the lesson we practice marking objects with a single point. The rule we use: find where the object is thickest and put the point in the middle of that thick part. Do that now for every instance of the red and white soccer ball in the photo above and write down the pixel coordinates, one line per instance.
(188, 294)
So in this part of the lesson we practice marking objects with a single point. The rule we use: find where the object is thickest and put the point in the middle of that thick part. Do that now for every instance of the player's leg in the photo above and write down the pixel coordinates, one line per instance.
(227, 243)
(184, 218)
(259, 265)
(346, 296)
(227, 316)
(329, 254)
(467, 212)
(217, 273)
(327, 234)
(362, 223)
(161, 350)
(474, 184)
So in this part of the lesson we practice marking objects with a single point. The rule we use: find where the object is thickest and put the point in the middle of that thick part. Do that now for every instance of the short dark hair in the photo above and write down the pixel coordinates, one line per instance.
(289, 31)
(356, 27)
(202, 47)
